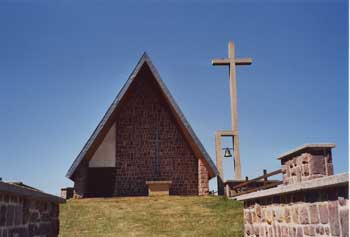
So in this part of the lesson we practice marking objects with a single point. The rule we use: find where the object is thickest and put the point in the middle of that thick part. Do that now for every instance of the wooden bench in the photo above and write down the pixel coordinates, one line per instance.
(158, 188)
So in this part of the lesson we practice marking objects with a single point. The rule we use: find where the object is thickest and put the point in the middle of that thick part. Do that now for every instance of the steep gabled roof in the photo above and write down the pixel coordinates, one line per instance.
(186, 127)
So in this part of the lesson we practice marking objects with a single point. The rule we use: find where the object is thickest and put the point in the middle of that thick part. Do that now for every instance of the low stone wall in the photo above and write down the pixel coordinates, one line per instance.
(320, 212)
(316, 204)
(27, 212)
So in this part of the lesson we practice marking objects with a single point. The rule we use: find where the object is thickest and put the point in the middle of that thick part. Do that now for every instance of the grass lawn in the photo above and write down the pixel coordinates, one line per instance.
(152, 216)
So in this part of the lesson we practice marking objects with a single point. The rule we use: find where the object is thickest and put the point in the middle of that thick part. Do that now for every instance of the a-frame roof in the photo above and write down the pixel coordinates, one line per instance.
(196, 144)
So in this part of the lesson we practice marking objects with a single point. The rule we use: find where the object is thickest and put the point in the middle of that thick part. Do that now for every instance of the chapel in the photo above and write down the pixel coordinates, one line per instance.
(142, 137)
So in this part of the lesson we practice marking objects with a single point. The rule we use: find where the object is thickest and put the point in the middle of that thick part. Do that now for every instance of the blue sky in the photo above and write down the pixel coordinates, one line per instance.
(63, 62)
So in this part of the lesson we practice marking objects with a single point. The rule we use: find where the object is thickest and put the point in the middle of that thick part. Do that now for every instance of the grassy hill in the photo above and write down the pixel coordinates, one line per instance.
(155, 216)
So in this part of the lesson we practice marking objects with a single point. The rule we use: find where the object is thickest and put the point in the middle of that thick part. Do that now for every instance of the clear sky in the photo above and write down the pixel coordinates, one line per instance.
(63, 62)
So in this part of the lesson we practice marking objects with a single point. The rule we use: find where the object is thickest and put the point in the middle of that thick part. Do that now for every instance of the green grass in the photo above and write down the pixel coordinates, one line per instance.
(152, 216)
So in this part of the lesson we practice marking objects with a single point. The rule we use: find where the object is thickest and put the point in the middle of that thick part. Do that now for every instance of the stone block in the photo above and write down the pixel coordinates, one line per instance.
(10, 215)
(320, 230)
(55, 226)
(248, 229)
(3, 210)
(317, 165)
(326, 230)
(262, 232)
(256, 230)
(313, 214)
(284, 231)
(342, 201)
(279, 214)
(255, 218)
(344, 221)
(248, 217)
(6, 198)
(45, 217)
(54, 210)
(33, 229)
(334, 218)
(300, 231)
(34, 217)
(45, 229)
(330, 170)
(295, 215)
(18, 231)
(4, 233)
(292, 231)
(274, 227)
(287, 215)
(257, 210)
(303, 159)
(304, 215)
(18, 215)
(299, 174)
(269, 231)
(309, 230)
(305, 170)
(323, 210)
(269, 217)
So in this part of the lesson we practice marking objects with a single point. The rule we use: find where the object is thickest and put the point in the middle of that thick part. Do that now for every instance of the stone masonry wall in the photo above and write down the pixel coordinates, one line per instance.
(142, 115)
(323, 212)
(22, 217)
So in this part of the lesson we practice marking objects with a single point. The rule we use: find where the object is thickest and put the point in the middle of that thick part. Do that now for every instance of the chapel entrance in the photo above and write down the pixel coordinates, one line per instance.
(101, 182)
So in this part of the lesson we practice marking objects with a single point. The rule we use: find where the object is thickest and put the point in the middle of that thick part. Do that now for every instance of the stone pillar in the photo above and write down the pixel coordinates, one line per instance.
(308, 162)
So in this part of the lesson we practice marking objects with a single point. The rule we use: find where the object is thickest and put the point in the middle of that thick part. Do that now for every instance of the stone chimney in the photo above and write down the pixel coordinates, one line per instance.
(310, 161)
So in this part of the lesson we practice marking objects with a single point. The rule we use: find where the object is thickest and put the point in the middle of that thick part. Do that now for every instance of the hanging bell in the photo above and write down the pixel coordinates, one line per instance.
(227, 153)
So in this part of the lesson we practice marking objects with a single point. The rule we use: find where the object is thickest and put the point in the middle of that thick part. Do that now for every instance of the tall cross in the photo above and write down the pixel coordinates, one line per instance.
(231, 61)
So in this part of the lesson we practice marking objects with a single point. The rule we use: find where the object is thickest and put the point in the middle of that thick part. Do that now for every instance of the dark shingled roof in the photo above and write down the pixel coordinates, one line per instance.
(144, 59)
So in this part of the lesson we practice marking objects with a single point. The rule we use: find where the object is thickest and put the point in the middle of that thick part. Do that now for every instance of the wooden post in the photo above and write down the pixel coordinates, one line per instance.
(220, 177)
(265, 177)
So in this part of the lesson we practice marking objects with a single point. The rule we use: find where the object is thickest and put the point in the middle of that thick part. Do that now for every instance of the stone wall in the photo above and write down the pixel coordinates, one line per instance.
(142, 115)
(203, 179)
(23, 213)
(323, 212)
(311, 201)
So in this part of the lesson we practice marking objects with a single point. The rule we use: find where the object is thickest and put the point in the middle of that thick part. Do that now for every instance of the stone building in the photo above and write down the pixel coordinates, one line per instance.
(26, 211)
(142, 137)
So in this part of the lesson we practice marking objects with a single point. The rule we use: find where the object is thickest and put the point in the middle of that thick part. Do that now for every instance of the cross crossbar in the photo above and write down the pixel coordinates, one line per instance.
(228, 61)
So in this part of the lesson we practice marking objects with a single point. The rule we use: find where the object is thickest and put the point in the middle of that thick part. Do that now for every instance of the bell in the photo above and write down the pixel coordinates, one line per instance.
(227, 152)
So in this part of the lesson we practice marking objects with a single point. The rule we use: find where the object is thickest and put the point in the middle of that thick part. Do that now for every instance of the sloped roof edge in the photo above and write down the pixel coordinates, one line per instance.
(144, 59)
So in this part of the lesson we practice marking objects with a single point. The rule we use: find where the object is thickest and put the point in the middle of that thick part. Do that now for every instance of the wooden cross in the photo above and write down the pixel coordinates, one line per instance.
(231, 61)
(157, 165)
